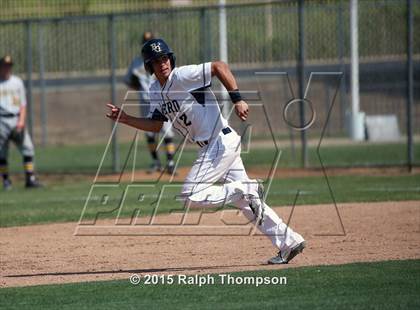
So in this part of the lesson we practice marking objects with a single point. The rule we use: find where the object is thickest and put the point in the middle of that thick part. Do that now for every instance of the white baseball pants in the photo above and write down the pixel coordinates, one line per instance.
(220, 161)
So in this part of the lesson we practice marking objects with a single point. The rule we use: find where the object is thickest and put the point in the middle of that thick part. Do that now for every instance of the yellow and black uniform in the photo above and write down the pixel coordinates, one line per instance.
(12, 99)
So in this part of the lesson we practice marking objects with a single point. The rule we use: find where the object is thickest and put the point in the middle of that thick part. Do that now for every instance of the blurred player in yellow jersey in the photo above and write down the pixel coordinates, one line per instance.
(12, 124)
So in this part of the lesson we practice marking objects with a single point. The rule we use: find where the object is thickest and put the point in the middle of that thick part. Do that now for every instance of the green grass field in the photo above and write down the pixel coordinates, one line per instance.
(64, 201)
(86, 158)
(381, 285)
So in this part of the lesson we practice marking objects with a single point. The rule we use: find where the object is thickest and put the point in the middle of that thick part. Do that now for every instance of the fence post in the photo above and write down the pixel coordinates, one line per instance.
(203, 35)
(113, 81)
(223, 51)
(410, 150)
(341, 55)
(301, 82)
(29, 77)
(208, 32)
(268, 17)
(42, 84)
(357, 131)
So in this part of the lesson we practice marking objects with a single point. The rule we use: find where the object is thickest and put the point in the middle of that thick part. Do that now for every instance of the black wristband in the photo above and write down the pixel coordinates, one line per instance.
(235, 95)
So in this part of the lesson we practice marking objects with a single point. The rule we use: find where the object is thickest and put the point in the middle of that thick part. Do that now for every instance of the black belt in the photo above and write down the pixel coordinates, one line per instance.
(202, 143)
(9, 115)
(225, 131)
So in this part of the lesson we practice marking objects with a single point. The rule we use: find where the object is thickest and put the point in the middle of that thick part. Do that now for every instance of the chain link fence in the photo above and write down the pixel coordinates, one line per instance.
(12, 9)
(67, 61)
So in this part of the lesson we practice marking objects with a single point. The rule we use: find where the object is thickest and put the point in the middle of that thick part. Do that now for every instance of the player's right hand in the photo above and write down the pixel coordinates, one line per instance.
(116, 114)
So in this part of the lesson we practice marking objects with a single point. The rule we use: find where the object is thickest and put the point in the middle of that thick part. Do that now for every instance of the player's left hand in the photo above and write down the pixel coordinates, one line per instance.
(241, 109)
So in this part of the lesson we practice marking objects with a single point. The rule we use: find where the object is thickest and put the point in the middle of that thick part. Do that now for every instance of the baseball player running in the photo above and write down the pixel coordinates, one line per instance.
(12, 124)
(138, 79)
(182, 95)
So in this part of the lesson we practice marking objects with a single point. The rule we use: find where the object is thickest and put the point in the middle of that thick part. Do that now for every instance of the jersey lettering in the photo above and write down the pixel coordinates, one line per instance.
(183, 117)
(187, 100)
(176, 105)
(170, 107)
(164, 108)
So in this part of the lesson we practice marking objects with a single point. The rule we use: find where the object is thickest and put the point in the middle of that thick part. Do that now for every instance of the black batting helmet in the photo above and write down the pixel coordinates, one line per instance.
(154, 49)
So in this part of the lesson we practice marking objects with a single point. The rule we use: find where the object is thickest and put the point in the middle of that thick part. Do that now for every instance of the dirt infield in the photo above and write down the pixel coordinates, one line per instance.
(46, 254)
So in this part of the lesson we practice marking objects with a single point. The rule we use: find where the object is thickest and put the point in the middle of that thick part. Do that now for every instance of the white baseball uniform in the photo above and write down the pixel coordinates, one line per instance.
(188, 102)
(137, 76)
(12, 98)
(12, 95)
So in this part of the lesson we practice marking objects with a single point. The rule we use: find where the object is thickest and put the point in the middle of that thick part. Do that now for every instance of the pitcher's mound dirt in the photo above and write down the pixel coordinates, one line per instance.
(46, 254)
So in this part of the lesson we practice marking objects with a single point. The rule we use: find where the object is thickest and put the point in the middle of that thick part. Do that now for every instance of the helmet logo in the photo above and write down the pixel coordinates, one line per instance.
(156, 47)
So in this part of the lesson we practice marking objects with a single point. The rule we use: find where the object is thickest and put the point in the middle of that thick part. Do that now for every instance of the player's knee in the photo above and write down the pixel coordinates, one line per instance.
(168, 140)
(184, 198)
(151, 139)
(191, 197)
(28, 158)
(189, 202)
(187, 191)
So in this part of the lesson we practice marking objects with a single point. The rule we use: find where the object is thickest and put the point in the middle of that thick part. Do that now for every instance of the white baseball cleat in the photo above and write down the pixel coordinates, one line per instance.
(287, 256)
(257, 205)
